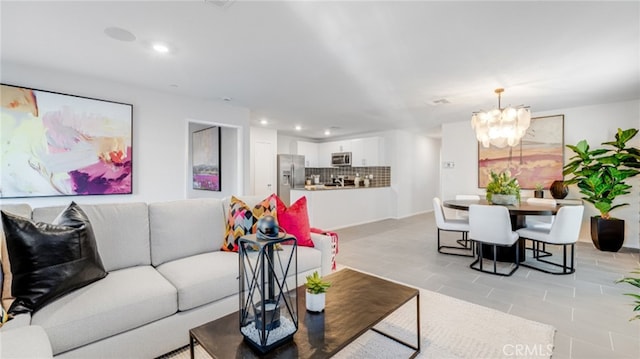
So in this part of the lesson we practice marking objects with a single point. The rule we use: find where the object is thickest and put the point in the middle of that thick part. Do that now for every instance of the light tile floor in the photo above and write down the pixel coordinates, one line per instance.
(587, 308)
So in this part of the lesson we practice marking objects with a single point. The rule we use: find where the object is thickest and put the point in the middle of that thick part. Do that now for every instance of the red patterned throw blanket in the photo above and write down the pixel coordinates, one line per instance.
(334, 244)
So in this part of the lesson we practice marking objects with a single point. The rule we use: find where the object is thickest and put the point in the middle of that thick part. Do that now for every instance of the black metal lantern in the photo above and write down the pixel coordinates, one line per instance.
(268, 282)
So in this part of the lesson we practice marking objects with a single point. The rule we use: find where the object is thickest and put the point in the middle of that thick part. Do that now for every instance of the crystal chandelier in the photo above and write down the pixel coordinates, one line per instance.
(501, 126)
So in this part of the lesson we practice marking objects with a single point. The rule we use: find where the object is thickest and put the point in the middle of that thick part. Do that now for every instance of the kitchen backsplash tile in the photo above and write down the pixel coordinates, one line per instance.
(381, 174)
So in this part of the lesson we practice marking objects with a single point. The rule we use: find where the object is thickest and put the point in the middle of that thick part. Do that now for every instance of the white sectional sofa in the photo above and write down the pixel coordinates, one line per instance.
(166, 276)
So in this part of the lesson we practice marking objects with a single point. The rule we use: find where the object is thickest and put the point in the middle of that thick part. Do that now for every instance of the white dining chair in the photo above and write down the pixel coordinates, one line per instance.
(564, 232)
(443, 223)
(540, 221)
(491, 225)
(465, 197)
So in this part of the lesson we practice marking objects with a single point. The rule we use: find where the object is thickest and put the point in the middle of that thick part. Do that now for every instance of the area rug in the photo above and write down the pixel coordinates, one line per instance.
(450, 328)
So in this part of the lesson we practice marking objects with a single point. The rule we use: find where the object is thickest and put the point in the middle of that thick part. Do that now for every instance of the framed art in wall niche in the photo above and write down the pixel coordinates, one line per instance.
(54, 144)
(538, 159)
(205, 159)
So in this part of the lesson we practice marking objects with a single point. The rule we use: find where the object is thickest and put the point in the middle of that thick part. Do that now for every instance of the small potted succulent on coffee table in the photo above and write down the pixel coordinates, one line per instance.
(315, 293)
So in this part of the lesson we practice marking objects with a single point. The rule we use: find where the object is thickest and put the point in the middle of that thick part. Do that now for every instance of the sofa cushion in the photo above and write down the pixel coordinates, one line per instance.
(117, 226)
(203, 278)
(184, 228)
(125, 299)
(50, 260)
(308, 258)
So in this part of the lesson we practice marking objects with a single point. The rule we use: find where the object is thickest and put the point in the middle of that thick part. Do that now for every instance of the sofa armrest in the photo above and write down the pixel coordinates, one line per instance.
(323, 244)
(19, 321)
(25, 342)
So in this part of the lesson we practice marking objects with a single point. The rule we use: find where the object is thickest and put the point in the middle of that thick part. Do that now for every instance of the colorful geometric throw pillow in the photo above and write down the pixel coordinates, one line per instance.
(242, 220)
(295, 221)
(266, 207)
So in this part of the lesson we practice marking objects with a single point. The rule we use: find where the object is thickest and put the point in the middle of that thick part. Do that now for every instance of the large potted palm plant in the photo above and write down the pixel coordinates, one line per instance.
(601, 175)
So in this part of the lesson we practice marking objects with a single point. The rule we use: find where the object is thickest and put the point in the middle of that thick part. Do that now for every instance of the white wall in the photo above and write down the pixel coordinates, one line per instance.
(459, 145)
(415, 178)
(596, 124)
(160, 134)
(286, 144)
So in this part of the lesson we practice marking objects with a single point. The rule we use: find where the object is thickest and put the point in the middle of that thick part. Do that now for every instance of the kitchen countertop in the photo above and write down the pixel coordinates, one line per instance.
(331, 209)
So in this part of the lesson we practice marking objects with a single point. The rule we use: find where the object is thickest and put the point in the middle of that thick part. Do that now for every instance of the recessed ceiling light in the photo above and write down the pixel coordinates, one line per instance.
(264, 121)
(441, 101)
(327, 132)
(117, 33)
(298, 127)
(161, 48)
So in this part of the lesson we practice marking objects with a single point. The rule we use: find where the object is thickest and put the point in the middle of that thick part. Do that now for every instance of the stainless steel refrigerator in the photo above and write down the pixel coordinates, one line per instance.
(290, 175)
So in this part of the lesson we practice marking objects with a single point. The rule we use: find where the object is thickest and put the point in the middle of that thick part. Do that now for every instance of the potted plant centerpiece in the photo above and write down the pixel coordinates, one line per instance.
(503, 189)
(600, 174)
(315, 293)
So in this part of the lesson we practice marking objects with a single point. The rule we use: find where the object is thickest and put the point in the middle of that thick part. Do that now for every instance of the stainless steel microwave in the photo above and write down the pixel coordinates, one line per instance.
(341, 159)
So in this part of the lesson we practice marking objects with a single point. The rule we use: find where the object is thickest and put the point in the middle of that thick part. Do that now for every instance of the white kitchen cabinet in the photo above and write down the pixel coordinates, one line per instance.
(367, 151)
(337, 146)
(324, 154)
(310, 152)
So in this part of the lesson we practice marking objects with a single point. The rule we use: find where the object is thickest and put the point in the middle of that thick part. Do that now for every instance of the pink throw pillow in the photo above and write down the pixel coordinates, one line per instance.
(295, 220)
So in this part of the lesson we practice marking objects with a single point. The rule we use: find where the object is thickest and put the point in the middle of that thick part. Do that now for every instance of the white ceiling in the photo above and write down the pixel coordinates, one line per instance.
(355, 66)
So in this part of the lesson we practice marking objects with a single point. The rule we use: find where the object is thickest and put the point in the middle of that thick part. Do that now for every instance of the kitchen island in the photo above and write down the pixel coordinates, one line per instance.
(338, 207)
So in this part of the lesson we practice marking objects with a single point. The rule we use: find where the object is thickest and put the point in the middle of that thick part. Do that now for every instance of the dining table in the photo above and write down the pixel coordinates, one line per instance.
(518, 213)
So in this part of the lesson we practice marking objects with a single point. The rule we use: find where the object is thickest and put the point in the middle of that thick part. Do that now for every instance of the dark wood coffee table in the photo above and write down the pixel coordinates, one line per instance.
(355, 303)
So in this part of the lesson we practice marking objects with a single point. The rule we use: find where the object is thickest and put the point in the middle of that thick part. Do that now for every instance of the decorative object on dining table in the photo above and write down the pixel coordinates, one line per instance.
(558, 189)
(315, 293)
(539, 191)
(538, 159)
(601, 175)
(634, 281)
(268, 305)
(503, 189)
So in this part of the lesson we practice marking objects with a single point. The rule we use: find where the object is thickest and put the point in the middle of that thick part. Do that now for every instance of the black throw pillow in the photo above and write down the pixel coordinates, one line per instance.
(50, 260)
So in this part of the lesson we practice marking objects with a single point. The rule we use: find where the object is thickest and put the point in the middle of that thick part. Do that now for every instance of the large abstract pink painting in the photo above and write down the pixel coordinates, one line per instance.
(538, 159)
(53, 144)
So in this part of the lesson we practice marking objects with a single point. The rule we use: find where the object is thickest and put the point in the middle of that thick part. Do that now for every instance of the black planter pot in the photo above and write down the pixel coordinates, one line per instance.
(538, 194)
(558, 190)
(607, 234)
